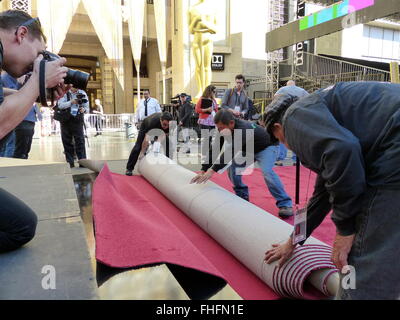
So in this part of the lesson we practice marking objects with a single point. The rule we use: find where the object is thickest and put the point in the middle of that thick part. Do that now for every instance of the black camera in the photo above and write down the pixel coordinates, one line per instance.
(80, 98)
(77, 78)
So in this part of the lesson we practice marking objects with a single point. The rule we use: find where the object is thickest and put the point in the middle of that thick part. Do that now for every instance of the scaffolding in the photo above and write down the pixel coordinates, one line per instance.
(276, 19)
(23, 5)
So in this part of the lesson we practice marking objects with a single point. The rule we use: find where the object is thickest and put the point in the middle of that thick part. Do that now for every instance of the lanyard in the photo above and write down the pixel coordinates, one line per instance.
(238, 98)
(300, 217)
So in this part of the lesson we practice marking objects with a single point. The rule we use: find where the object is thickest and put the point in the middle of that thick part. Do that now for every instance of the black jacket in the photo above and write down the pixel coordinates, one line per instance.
(152, 122)
(248, 133)
(185, 114)
(349, 135)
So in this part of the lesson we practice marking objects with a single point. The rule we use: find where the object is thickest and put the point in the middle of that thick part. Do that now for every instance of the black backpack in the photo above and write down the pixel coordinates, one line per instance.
(63, 115)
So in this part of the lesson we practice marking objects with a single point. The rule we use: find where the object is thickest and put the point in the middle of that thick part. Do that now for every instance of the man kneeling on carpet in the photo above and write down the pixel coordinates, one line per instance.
(156, 121)
(265, 154)
(349, 134)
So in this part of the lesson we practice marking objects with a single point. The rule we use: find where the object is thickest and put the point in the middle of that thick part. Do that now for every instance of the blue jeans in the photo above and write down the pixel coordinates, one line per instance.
(266, 160)
(375, 251)
(9, 146)
(283, 153)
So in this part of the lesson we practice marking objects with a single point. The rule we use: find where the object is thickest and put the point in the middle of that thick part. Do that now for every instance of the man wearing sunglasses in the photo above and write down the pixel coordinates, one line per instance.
(21, 44)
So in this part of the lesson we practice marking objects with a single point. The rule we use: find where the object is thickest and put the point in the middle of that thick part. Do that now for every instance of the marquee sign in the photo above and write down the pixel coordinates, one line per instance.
(339, 16)
(338, 10)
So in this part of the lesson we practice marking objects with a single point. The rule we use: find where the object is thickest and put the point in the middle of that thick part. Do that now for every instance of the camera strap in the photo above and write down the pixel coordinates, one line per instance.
(42, 85)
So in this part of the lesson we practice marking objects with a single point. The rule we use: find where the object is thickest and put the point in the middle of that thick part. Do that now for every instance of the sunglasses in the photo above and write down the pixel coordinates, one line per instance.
(30, 22)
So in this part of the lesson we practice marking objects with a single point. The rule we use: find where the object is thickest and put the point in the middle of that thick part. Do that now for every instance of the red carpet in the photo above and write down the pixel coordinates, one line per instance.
(136, 225)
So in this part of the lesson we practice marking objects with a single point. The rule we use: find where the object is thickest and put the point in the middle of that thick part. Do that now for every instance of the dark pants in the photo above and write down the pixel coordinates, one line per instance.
(23, 139)
(17, 222)
(134, 156)
(73, 139)
(98, 125)
(375, 254)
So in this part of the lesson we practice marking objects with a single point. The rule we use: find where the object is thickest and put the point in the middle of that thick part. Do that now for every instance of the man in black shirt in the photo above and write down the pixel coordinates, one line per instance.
(349, 134)
(242, 136)
(156, 121)
(23, 41)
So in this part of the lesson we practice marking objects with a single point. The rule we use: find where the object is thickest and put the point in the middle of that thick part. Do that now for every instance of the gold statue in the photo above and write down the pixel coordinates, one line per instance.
(202, 24)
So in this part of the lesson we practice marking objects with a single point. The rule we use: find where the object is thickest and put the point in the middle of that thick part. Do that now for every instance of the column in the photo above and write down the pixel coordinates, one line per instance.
(182, 66)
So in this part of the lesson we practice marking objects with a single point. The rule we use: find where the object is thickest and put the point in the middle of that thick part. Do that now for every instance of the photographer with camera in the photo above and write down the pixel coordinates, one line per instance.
(74, 104)
(21, 47)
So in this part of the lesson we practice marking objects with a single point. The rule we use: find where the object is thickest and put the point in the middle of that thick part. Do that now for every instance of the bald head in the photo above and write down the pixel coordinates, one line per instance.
(291, 83)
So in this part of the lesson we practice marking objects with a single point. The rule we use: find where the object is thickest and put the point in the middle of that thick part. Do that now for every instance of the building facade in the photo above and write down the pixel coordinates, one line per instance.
(239, 45)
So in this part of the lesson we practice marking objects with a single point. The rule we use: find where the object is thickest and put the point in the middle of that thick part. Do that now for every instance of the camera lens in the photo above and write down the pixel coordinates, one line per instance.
(77, 78)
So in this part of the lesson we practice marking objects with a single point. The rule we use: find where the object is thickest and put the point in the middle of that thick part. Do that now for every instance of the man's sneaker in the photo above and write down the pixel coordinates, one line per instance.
(285, 212)
(72, 165)
(129, 173)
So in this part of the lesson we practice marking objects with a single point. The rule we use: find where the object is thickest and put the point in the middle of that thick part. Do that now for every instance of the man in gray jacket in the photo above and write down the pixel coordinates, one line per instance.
(349, 134)
(236, 100)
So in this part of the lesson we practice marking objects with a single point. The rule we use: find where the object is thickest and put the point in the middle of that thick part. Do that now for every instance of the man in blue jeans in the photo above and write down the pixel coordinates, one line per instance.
(264, 153)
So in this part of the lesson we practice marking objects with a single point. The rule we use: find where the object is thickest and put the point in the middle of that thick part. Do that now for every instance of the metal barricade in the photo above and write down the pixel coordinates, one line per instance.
(109, 122)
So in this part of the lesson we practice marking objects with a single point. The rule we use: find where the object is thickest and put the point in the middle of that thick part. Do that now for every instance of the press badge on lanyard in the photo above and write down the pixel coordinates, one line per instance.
(300, 225)
(300, 215)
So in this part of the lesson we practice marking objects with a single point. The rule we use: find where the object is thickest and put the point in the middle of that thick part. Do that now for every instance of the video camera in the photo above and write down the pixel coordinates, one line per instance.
(175, 100)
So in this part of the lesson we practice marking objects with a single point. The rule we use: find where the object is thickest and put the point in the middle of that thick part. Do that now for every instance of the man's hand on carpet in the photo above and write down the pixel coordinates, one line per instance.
(203, 177)
(341, 249)
(281, 252)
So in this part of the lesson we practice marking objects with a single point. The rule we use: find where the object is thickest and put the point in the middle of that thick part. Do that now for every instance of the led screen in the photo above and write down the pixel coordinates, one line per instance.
(336, 11)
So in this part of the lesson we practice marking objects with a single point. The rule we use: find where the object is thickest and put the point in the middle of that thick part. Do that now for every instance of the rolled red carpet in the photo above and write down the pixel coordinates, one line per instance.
(137, 226)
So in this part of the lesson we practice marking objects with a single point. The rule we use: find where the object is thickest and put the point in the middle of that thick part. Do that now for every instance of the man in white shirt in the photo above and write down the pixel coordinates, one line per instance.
(147, 107)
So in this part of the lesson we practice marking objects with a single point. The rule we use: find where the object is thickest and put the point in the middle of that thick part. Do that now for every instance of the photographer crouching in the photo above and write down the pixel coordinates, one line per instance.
(73, 105)
(22, 51)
